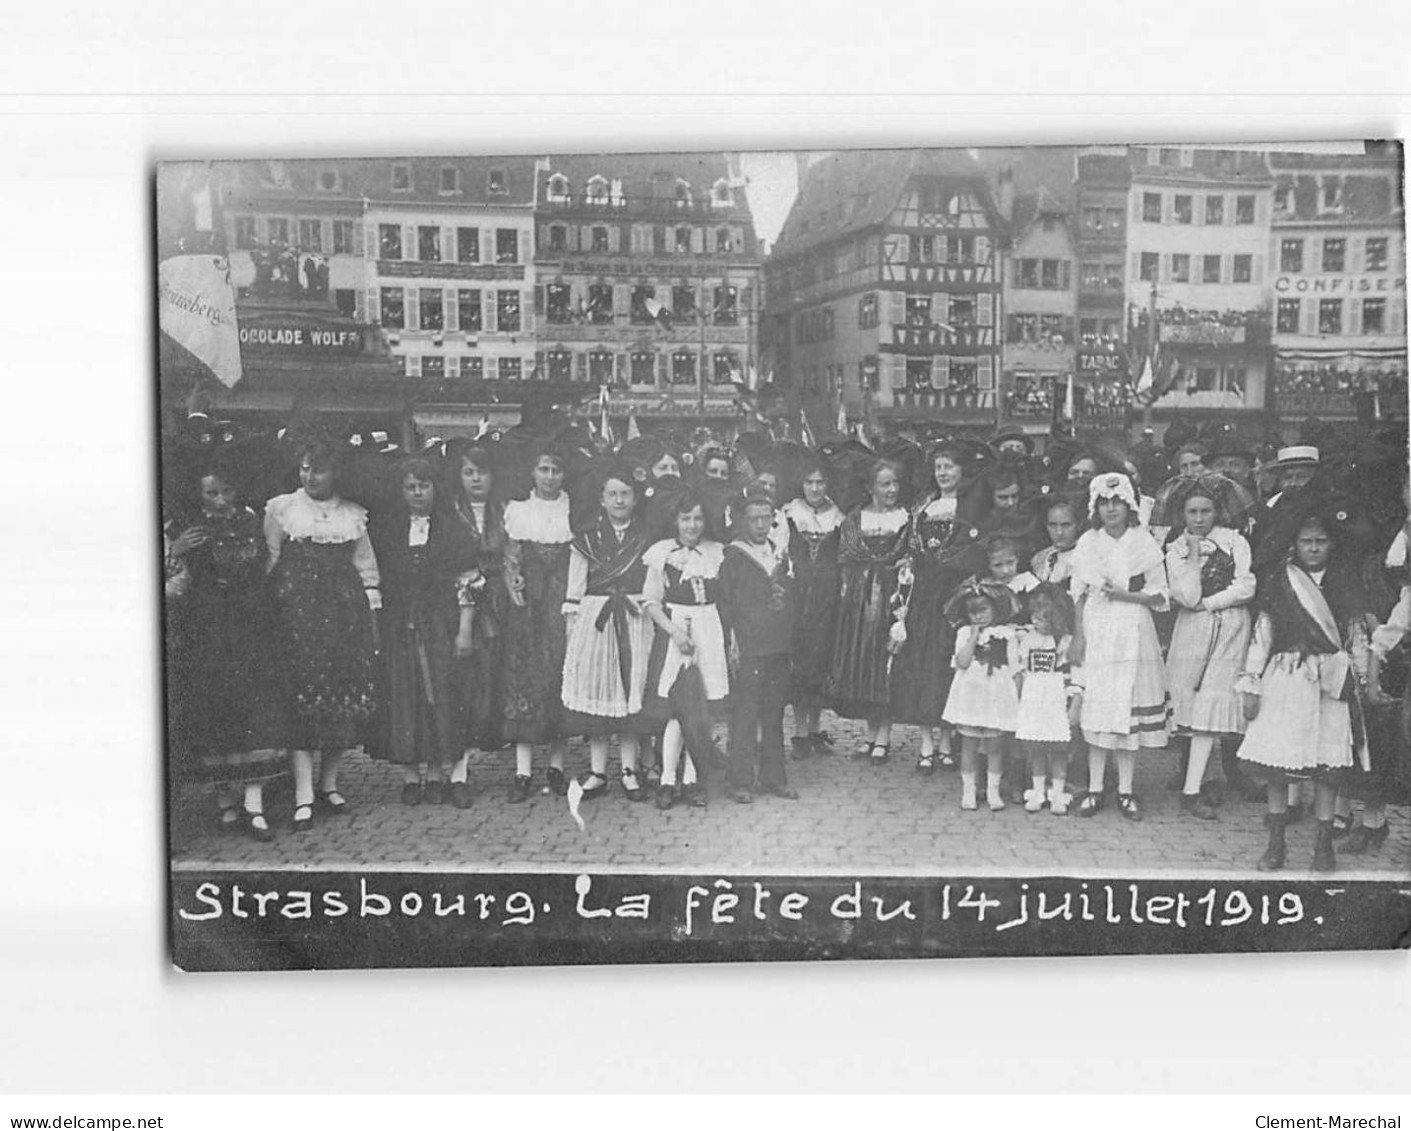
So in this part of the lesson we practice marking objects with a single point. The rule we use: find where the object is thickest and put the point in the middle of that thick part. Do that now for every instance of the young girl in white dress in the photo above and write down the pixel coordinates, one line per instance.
(1048, 703)
(983, 704)
(1119, 578)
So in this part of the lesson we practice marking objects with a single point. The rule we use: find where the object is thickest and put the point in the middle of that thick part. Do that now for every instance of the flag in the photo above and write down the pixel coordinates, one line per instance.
(604, 426)
(842, 423)
(196, 309)
(805, 432)
(1147, 379)
(657, 312)
(484, 426)
(1068, 401)
(633, 432)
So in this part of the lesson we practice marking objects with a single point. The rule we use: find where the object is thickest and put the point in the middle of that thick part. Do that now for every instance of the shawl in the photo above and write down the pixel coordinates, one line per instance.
(1100, 558)
(615, 570)
(855, 549)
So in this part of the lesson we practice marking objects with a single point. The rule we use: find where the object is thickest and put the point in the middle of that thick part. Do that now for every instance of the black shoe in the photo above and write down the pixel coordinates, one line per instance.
(742, 795)
(802, 748)
(1273, 858)
(693, 795)
(1342, 826)
(632, 786)
(558, 783)
(822, 742)
(521, 788)
(434, 793)
(1364, 839)
(1131, 808)
(331, 803)
(666, 797)
(1197, 806)
(459, 794)
(411, 793)
(1324, 859)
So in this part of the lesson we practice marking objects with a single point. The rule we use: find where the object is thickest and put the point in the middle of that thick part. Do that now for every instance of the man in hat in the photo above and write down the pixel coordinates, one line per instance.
(1012, 444)
(1233, 459)
(1294, 469)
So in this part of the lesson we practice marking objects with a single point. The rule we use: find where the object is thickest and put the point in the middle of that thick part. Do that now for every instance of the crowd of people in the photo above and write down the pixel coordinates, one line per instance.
(1034, 621)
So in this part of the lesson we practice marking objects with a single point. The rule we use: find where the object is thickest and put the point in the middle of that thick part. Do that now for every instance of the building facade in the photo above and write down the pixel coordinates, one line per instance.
(885, 289)
(1102, 181)
(648, 278)
(1338, 246)
(1197, 276)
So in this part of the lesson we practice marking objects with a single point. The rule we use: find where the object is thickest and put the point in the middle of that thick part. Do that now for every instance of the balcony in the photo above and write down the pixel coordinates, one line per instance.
(1183, 326)
(642, 207)
(951, 406)
(927, 337)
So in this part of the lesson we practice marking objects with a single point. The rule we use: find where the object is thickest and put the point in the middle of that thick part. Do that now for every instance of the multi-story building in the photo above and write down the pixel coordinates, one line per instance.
(884, 289)
(1040, 307)
(1102, 179)
(1338, 247)
(1197, 256)
(450, 280)
(648, 273)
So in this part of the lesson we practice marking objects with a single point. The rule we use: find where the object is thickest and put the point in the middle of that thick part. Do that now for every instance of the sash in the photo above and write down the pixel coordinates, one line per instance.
(1335, 667)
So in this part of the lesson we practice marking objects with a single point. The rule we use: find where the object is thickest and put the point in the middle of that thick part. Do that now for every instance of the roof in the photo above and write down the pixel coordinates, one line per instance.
(1104, 169)
(1030, 206)
(643, 175)
(1377, 155)
(371, 179)
(852, 189)
(1222, 166)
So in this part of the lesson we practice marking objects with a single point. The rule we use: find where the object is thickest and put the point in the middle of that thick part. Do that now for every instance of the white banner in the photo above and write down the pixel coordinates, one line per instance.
(196, 307)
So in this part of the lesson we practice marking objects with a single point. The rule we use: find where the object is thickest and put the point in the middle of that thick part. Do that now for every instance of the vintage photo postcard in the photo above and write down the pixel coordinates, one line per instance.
(704, 556)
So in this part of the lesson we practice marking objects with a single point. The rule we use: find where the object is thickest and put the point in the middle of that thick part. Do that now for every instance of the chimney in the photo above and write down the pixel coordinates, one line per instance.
(1004, 194)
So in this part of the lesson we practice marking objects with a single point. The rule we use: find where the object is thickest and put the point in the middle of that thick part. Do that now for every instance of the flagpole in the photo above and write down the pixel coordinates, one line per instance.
(1150, 354)
(700, 374)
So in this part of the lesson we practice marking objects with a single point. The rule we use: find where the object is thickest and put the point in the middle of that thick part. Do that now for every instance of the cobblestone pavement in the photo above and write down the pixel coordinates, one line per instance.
(852, 816)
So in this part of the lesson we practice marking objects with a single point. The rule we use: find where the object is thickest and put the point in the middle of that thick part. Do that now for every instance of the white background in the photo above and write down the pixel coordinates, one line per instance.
(94, 94)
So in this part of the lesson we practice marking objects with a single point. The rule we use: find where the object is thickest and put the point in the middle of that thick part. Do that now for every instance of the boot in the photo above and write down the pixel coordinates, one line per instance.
(1323, 858)
(1273, 858)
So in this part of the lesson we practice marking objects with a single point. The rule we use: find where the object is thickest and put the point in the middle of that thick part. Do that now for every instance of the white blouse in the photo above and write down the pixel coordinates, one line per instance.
(1183, 571)
(538, 520)
(326, 521)
(884, 522)
(807, 520)
(696, 563)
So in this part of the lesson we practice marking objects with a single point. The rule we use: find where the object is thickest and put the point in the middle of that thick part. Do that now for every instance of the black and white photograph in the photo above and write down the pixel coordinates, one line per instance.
(679, 556)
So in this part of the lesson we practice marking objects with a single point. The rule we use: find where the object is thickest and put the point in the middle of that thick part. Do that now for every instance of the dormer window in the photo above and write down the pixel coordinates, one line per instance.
(720, 195)
(597, 190)
(328, 180)
(450, 180)
(401, 177)
(497, 184)
(558, 188)
(1331, 193)
(683, 194)
(1283, 198)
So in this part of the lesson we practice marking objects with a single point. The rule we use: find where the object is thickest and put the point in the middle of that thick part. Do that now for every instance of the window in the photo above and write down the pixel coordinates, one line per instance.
(1053, 328)
(1151, 207)
(558, 237)
(725, 311)
(389, 241)
(1113, 275)
(450, 179)
(1091, 276)
(658, 240)
(960, 249)
(433, 365)
(867, 311)
(1087, 329)
(918, 373)
(643, 368)
(918, 310)
(640, 315)
(278, 231)
(507, 311)
(393, 309)
(1114, 218)
(245, 232)
(310, 235)
(1214, 209)
(558, 188)
(1183, 211)
(923, 249)
(723, 240)
(511, 369)
(342, 237)
(720, 194)
(600, 366)
(1283, 198)
(1048, 276)
(1332, 194)
(346, 301)
(559, 364)
(468, 309)
(600, 304)
(597, 191)
(683, 302)
(1180, 268)
(432, 317)
(1244, 268)
(1376, 253)
(1334, 254)
(1027, 273)
(1291, 256)
(1150, 262)
(1210, 269)
(683, 195)
(1023, 327)
(473, 368)
(468, 245)
(683, 368)
(506, 245)
(328, 180)
(683, 241)
(1170, 157)
(401, 177)
(428, 244)
(1244, 210)
(1092, 219)
(600, 238)
(725, 368)
(557, 307)
(1374, 312)
(497, 184)
(1286, 320)
(1330, 316)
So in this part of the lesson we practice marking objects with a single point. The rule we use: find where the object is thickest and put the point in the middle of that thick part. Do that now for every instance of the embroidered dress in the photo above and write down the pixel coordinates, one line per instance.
(813, 548)
(536, 557)
(870, 547)
(943, 552)
(685, 582)
(610, 638)
(1043, 699)
(1302, 663)
(983, 700)
(227, 707)
(421, 559)
(322, 562)
(1052, 565)
(1212, 591)
(479, 676)
(1125, 706)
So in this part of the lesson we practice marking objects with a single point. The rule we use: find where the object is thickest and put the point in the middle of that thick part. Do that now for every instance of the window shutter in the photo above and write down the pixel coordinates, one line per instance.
(1310, 316)
(1314, 263)
(413, 365)
(903, 252)
(985, 372)
(621, 301)
(1065, 274)
(413, 308)
(1011, 328)
(1227, 269)
(1354, 316)
(614, 239)
(984, 309)
(326, 235)
(448, 245)
(451, 311)
(487, 297)
(1355, 257)
(940, 371)
(492, 368)
(527, 305)
(698, 242)
(894, 365)
(940, 308)
(1168, 208)
(896, 307)
(982, 249)
(543, 237)
(539, 300)
(409, 248)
